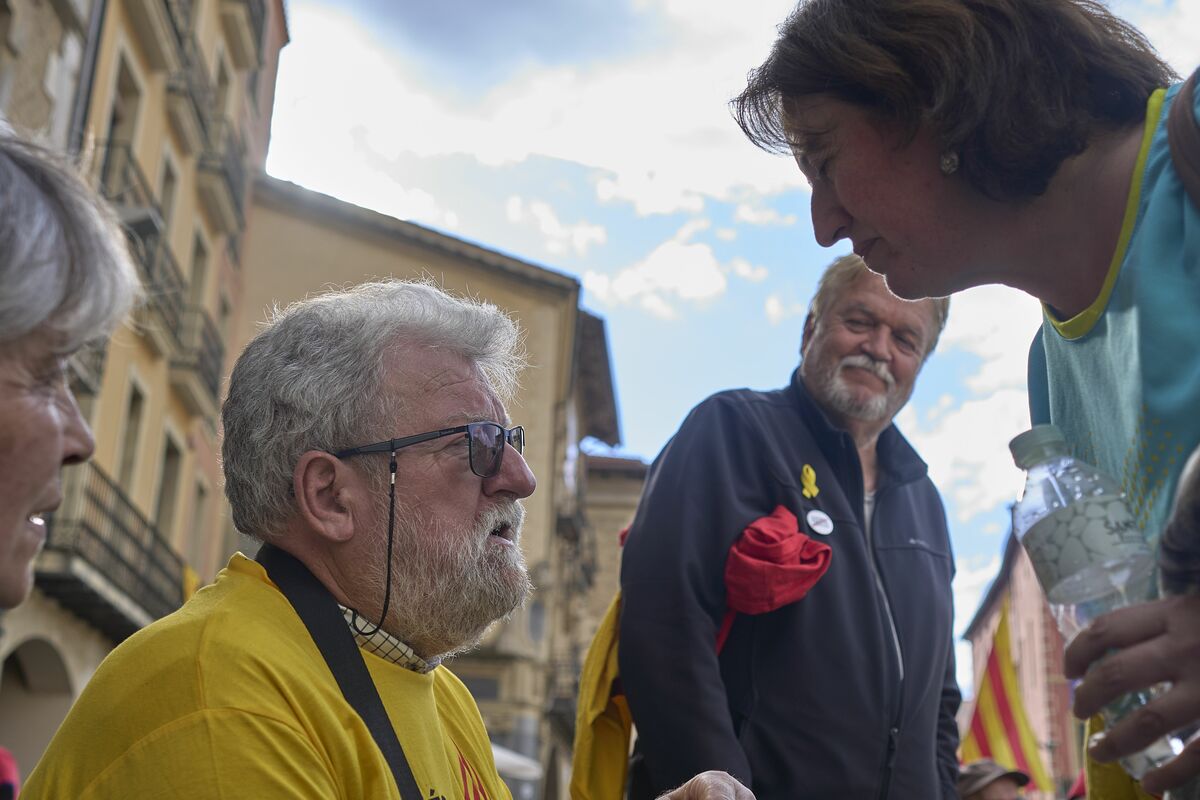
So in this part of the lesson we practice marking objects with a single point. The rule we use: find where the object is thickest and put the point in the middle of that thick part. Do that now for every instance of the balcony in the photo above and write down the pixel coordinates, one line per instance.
(189, 96)
(106, 562)
(127, 190)
(155, 29)
(243, 22)
(222, 177)
(196, 367)
(159, 320)
(125, 187)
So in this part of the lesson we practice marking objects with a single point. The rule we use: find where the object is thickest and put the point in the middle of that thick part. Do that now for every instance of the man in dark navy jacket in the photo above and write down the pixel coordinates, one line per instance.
(848, 692)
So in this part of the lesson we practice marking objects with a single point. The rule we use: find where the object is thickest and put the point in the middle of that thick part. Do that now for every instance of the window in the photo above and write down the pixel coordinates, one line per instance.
(130, 437)
(224, 316)
(252, 81)
(167, 189)
(122, 120)
(197, 546)
(168, 489)
(198, 279)
(222, 97)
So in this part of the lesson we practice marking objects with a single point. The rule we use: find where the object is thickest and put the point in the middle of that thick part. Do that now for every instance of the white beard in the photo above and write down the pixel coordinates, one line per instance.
(833, 389)
(449, 587)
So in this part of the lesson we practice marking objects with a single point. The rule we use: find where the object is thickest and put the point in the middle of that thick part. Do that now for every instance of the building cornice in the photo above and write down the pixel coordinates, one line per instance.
(325, 209)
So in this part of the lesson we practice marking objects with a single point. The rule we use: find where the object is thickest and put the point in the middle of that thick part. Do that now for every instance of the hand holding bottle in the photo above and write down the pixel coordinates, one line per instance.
(1159, 643)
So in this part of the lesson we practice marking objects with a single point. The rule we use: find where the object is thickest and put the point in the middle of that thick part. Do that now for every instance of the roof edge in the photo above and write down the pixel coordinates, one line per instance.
(322, 205)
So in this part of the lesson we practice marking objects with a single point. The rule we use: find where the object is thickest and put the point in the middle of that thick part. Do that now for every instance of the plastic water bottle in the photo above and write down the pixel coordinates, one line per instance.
(1087, 551)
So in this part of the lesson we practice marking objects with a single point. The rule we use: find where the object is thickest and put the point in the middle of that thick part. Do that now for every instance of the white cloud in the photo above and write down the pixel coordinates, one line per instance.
(726, 234)
(678, 269)
(777, 310)
(1172, 27)
(970, 582)
(964, 437)
(656, 126)
(650, 194)
(753, 214)
(747, 271)
(558, 237)
(997, 324)
(966, 448)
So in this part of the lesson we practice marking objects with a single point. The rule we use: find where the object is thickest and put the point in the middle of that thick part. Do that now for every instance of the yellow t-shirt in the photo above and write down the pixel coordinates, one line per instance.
(230, 698)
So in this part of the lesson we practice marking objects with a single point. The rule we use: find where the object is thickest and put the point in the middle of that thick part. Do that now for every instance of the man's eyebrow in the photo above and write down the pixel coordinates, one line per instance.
(466, 417)
(859, 308)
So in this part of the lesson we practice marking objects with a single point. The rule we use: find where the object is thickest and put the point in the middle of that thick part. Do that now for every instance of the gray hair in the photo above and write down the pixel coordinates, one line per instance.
(312, 380)
(845, 271)
(64, 261)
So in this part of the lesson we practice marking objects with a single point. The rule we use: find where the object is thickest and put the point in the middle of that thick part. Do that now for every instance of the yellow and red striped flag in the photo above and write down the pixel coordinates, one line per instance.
(999, 728)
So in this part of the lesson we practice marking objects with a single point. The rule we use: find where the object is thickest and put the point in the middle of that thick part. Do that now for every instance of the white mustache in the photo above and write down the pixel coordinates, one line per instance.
(877, 368)
(510, 514)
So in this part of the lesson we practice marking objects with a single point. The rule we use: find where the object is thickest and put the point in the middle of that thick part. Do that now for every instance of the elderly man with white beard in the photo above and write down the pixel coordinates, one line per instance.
(785, 587)
(367, 446)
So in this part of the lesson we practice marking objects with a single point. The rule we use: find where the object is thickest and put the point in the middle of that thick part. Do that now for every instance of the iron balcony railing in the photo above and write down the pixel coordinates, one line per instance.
(192, 80)
(124, 185)
(226, 156)
(121, 179)
(201, 349)
(104, 560)
(165, 288)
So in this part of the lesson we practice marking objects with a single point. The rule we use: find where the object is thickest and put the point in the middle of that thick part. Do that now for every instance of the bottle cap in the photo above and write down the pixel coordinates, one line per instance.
(1038, 444)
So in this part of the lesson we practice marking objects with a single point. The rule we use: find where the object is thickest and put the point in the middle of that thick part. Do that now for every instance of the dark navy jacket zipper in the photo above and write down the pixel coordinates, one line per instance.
(894, 730)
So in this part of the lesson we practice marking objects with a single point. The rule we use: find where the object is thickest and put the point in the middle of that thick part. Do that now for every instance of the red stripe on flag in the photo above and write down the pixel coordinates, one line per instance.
(1000, 693)
(981, 737)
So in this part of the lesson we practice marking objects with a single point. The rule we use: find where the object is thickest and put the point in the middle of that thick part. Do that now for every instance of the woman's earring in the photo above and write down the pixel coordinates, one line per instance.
(949, 162)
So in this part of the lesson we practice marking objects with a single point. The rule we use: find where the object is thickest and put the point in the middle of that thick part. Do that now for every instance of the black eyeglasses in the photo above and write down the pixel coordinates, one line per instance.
(485, 441)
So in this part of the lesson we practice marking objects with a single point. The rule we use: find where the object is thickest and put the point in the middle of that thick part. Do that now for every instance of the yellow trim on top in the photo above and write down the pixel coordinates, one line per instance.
(1079, 325)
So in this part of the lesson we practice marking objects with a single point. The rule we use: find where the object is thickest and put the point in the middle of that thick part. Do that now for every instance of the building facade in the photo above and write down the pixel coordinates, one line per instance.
(170, 120)
(45, 52)
(1037, 658)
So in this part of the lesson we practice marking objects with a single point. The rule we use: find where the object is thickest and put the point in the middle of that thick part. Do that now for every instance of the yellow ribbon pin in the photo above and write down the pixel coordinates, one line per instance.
(808, 482)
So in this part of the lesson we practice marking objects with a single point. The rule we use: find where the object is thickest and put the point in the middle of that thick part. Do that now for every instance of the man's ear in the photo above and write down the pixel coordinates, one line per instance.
(810, 325)
(329, 495)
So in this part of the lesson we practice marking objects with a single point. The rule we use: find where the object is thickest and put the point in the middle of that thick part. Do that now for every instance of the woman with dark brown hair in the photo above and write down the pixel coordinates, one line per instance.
(956, 143)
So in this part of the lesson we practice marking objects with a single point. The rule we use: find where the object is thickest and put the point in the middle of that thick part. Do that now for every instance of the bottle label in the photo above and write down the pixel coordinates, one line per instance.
(1088, 533)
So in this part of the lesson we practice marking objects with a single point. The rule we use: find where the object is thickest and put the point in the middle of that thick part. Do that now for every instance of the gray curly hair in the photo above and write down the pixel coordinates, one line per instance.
(64, 261)
(312, 378)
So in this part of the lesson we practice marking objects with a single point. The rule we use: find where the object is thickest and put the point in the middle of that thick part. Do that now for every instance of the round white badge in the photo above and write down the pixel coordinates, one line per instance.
(820, 522)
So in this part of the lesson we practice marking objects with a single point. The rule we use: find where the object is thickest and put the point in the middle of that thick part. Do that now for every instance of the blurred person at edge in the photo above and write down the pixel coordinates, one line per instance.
(231, 695)
(65, 280)
(986, 780)
(847, 690)
(956, 143)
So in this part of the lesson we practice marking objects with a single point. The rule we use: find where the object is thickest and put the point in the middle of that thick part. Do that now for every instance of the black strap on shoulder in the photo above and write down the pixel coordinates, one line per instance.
(320, 614)
(1183, 138)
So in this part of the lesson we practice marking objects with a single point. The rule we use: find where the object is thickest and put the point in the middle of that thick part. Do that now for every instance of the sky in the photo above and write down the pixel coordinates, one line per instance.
(594, 137)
